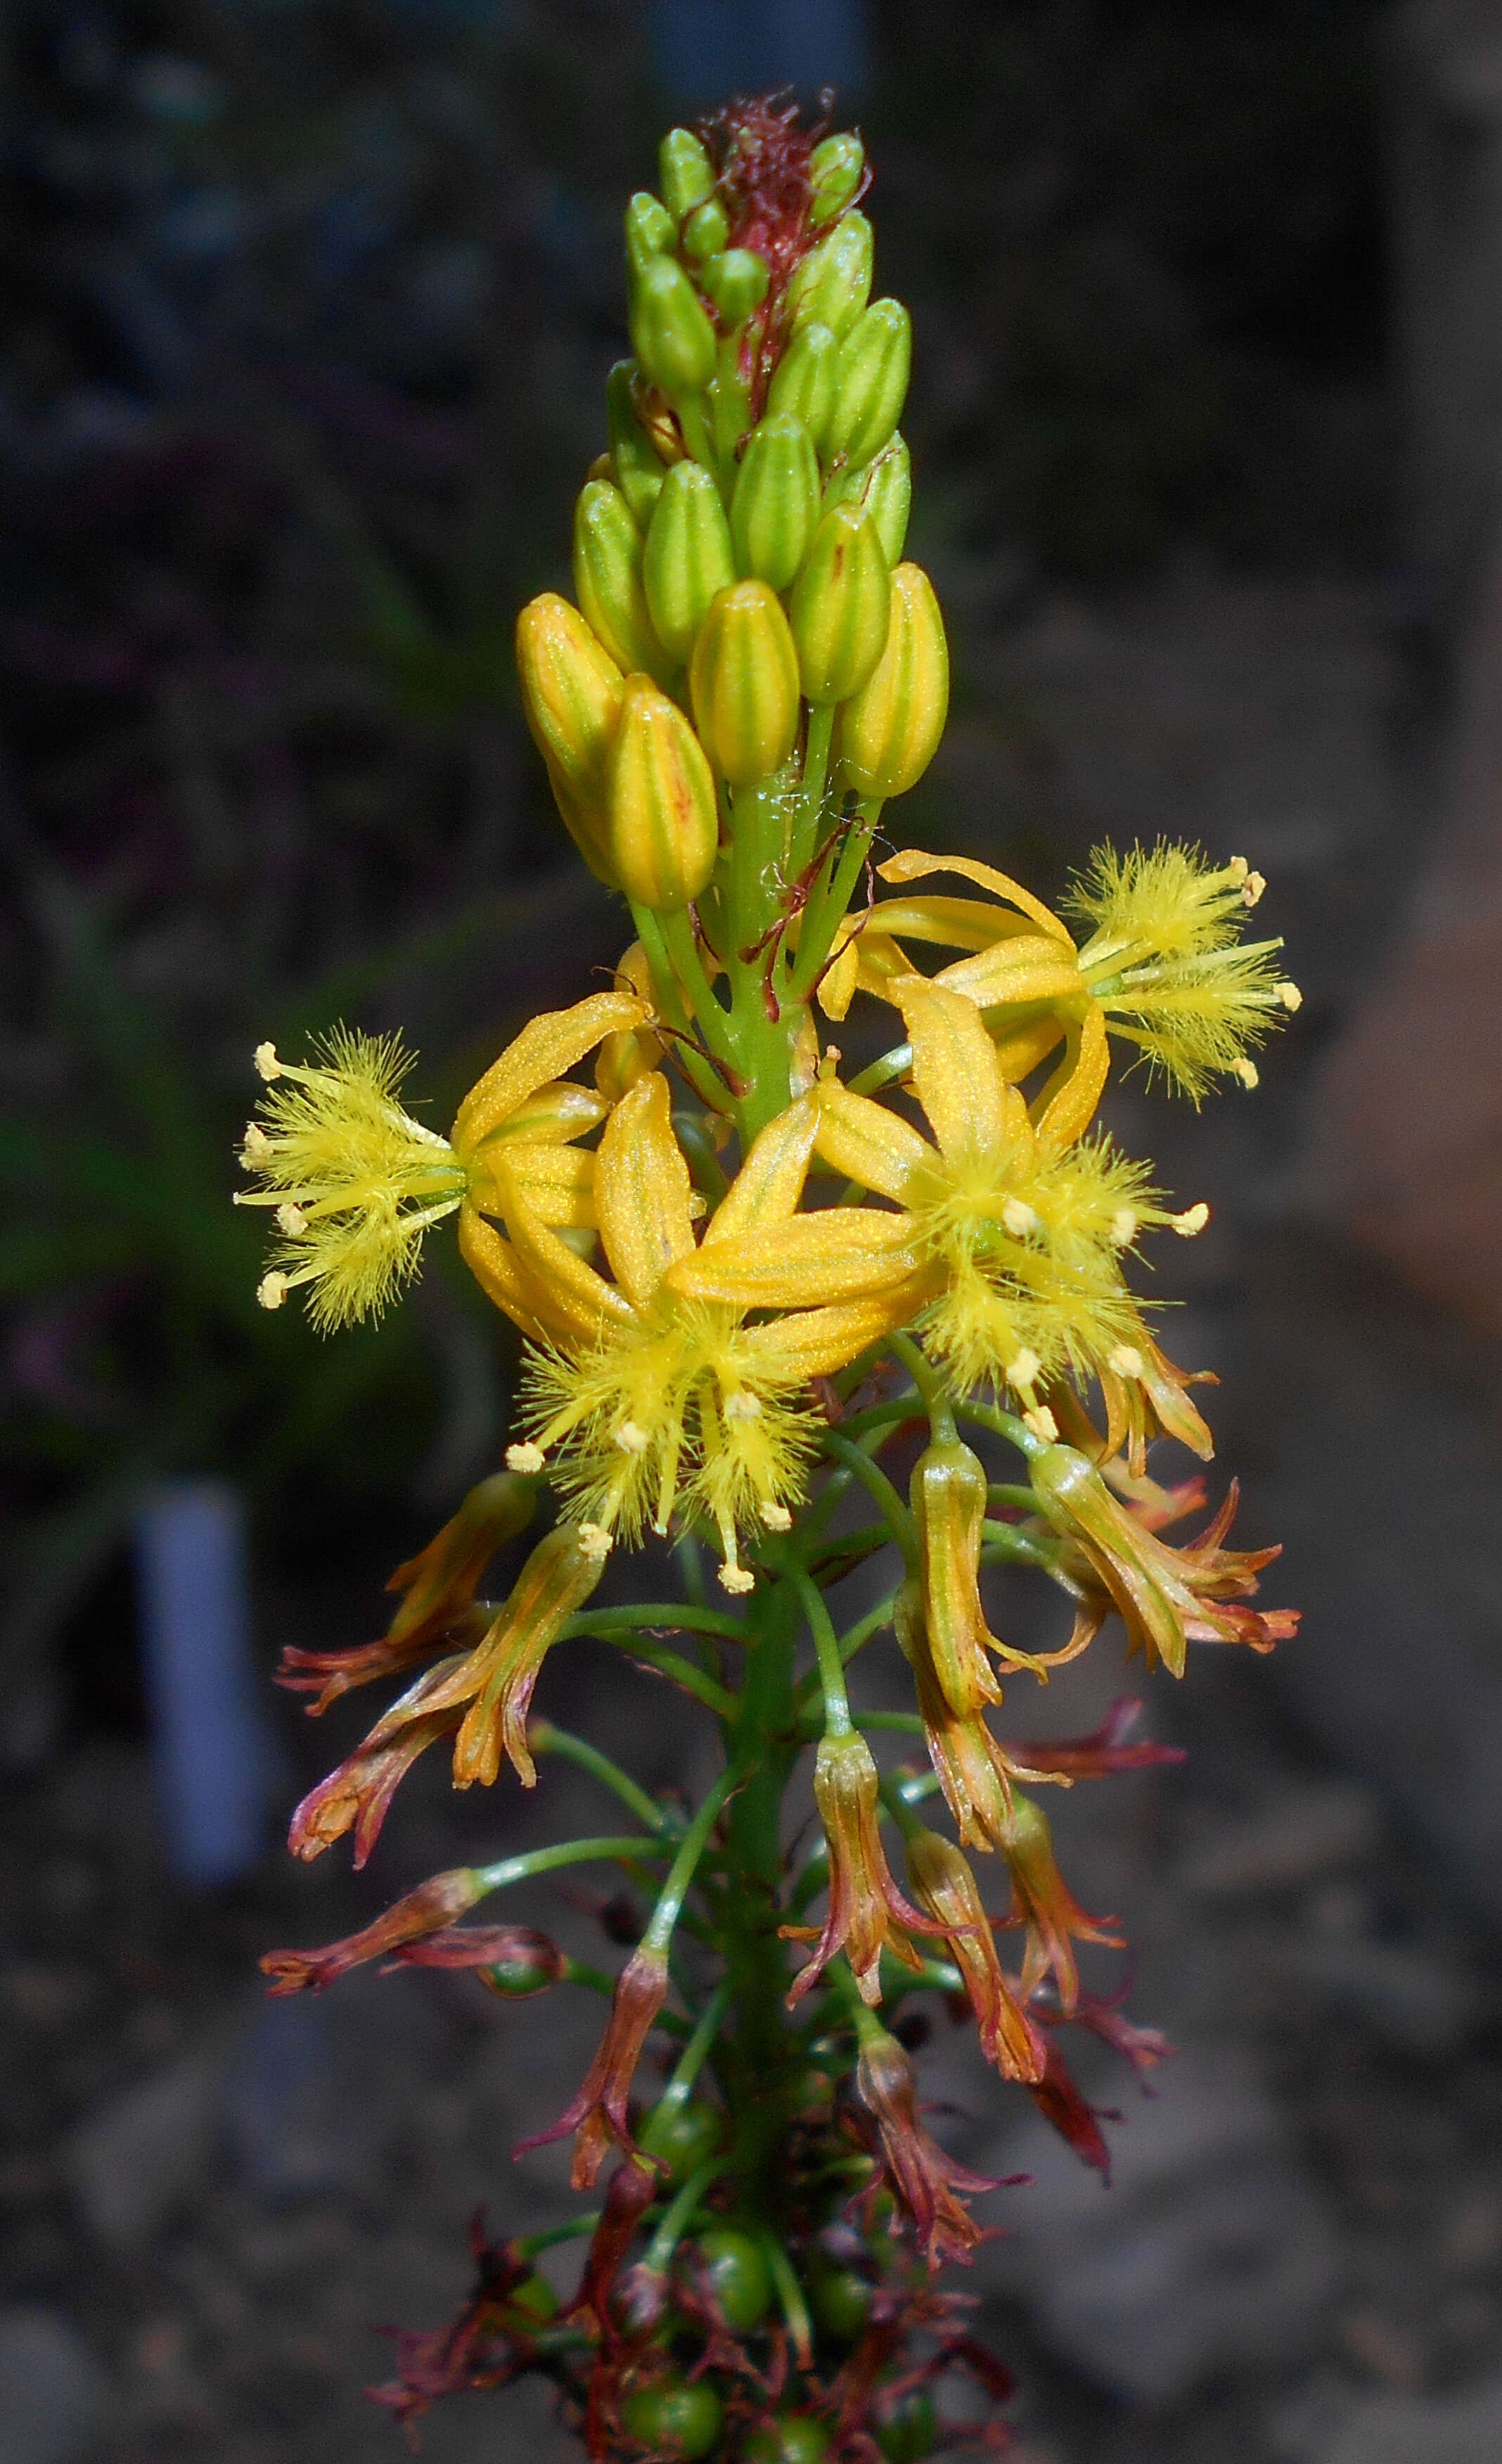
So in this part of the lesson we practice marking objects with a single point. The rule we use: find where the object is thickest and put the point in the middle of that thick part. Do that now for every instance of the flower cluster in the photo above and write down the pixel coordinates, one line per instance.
(754, 1290)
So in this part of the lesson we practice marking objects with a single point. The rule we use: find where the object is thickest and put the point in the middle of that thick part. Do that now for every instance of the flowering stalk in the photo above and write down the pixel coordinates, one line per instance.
(759, 1301)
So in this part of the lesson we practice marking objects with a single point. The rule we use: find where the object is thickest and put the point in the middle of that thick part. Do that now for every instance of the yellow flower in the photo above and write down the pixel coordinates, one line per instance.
(652, 1398)
(1016, 1243)
(356, 1182)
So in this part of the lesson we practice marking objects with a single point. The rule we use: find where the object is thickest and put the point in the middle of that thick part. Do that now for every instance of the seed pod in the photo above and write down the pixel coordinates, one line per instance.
(684, 172)
(744, 679)
(871, 382)
(649, 229)
(671, 334)
(833, 283)
(776, 502)
(890, 731)
(706, 230)
(571, 692)
(838, 607)
(608, 577)
(737, 281)
(802, 381)
(835, 174)
(634, 459)
(688, 555)
(664, 827)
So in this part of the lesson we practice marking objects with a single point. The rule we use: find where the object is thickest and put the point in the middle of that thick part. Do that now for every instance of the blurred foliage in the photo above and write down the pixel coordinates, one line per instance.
(307, 310)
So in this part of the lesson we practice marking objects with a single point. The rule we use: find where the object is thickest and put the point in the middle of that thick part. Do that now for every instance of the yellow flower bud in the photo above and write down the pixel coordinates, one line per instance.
(833, 283)
(839, 606)
(608, 577)
(688, 555)
(664, 824)
(571, 692)
(744, 682)
(776, 502)
(871, 382)
(890, 730)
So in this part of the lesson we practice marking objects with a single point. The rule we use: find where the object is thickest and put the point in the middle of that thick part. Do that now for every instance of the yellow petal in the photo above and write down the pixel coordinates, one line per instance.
(820, 1342)
(585, 1303)
(1029, 968)
(561, 1111)
(957, 923)
(840, 1254)
(557, 1182)
(770, 1182)
(545, 1047)
(500, 1276)
(836, 986)
(1020, 1049)
(1067, 1105)
(912, 863)
(955, 1071)
(868, 1144)
(642, 1190)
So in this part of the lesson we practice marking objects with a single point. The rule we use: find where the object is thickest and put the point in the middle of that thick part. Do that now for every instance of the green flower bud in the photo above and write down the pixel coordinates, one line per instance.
(572, 692)
(649, 230)
(671, 334)
(688, 555)
(664, 824)
(890, 731)
(637, 464)
(834, 172)
(706, 230)
(803, 382)
(838, 607)
(776, 502)
(833, 283)
(737, 281)
(684, 172)
(871, 382)
(607, 578)
(887, 493)
(743, 681)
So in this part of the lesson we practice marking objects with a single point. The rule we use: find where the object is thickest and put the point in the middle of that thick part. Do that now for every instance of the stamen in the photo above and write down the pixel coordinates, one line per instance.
(776, 1518)
(1126, 1360)
(631, 1437)
(1246, 1071)
(267, 1063)
(291, 1220)
(1236, 870)
(1289, 996)
(595, 1541)
(1019, 1217)
(1193, 1220)
(255, 1146)
(738, 1580)
(1022, 1368)
(1252, 889)
(271, 1289)
(1041, 1422)
(1123, 1227)
(741, 1406)
(525, 1456)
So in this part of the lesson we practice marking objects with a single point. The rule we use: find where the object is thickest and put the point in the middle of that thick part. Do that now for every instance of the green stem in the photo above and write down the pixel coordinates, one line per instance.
(831, 900)
(531, 2245)
(567, 1852)
(826, 1646)
(714, 1697)
(760, 2064)
(893, 1510)
(678, 2213)
(659, 1616)
(1002, 1425)
(892, 1065)
(681, 1873)
(545, 1739)
(816, 772)
(790, 2295)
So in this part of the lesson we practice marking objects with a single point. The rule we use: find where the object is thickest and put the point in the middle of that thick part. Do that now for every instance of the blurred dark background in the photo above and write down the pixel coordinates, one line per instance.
(305, 314)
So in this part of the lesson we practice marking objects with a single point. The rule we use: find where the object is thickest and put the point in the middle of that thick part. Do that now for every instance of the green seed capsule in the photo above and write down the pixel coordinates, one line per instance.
(835, 173)
(608, 577)
(871, 382)
(649, 230)
(839, 603)
(671, 2418)
(684, 172)
(803, 382)
(663, 825)
(572, 694)
(833, 283)
(737, 281)
(706, 230)
(671, 334)
(791, 2438)
(744, 682)
(890, 730)
(738, 2275)
(688, 555)
(639, 469)
(776, 502)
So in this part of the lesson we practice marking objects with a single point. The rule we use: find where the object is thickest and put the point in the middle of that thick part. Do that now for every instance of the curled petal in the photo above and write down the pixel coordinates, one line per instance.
(546, 1047)
(912, 863)
(412, 1920)
(598, 2113)
(925, 2179)
(868, 1913)
(357, 1796)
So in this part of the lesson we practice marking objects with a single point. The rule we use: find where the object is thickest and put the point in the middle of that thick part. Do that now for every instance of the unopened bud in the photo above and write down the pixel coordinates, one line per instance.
(776, 502)
(649, 230)
(608, 577)
(871, 382)
(737, 281)
(688, 555)
(706, 230)
(529, 1963)
(571, 692)
(634, 459)
(684, 172)
(885, 488)
(839, 606)
(890, 730)
(663, 825)
(744, 682)
(833, 283)
(802, 381)
(671, 334)
(835, 169)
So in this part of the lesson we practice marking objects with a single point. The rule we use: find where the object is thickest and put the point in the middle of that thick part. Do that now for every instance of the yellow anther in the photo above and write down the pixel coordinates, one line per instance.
(1126, 1360)
(699, 1208)
(1019, 1217)
(266, 1061)
(290, 1219)
(742, 1406)
(1123, 1227)
(1193, 1220)
(525, 1456)
(1237, 870)
(255, 1146)
(1022, 1368)
(1041, 1422)
(1246, 1071)
(1252, 888)
(631, 1437)
(777, 1518)
(1289, 996)
(594, 1541)
(738, 1580)
(272, 1290)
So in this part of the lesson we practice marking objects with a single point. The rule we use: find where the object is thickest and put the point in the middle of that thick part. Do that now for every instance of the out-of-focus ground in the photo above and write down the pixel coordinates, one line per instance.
(214, 2202)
